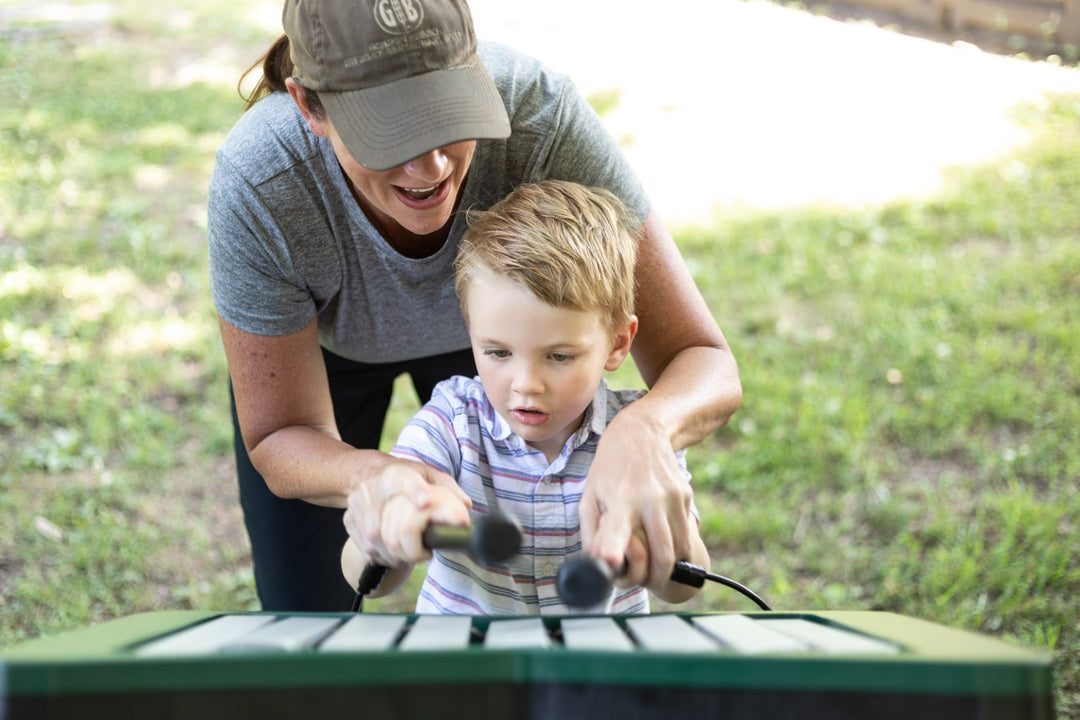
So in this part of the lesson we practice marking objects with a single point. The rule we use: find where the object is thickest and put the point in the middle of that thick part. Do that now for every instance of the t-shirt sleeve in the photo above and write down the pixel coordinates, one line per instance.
(584, 151)
(252, 278)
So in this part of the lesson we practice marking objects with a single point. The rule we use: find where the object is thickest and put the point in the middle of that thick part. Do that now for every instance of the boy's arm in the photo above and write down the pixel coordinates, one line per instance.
(353, 563)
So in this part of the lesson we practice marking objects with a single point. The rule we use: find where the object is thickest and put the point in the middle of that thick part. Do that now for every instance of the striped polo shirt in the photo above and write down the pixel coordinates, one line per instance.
(459, 433)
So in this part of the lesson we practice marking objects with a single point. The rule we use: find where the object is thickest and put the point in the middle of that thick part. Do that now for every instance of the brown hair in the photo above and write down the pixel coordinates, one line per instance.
(276, 67)
(571, 246)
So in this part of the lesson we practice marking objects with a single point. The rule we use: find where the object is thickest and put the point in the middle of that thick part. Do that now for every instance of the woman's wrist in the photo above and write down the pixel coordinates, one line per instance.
(642, 419)
(697, 393)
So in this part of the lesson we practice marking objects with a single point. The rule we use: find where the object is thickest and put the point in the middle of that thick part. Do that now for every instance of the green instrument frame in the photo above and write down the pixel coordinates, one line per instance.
(939, 672)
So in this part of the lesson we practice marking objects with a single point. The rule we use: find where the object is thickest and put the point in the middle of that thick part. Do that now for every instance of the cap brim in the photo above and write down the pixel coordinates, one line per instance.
(388, 125)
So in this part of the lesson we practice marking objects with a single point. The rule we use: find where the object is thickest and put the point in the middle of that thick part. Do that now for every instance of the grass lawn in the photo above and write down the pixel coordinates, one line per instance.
(909, 439)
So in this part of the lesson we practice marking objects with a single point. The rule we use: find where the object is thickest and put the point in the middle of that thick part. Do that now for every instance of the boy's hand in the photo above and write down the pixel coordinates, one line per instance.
(387, 513)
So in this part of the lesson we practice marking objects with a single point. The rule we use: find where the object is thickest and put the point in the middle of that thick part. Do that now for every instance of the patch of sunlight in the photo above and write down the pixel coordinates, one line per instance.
(20, 281)
(95, 295)
(223, 69)
(61, 13)
(267, 15)
(164, 135)
(151, 177)
(38, 344)
(46, 169)
(24, 341)
(205, 71)
(92, 295)
(180, 20)
(168, 335)
(89, 298)
(207, 143)
(79, 285)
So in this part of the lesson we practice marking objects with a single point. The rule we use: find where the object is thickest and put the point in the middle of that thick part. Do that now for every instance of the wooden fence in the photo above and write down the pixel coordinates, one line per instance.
(1054, 20)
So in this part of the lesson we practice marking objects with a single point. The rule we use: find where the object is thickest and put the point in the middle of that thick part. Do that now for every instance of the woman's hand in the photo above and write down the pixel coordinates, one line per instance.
(636, 504)
(387, 511)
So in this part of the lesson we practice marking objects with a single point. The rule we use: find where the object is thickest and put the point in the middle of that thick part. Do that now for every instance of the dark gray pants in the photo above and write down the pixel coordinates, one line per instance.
(296, 546)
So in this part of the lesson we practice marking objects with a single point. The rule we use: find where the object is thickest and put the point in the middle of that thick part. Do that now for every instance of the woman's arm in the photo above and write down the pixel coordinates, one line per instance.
(287, 422)
(680, 350)
(287, 418)
(635, 489)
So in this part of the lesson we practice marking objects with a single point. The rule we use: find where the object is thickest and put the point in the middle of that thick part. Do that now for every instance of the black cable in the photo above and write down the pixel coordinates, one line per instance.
(696, 576)
(370, 580)
(584, 582)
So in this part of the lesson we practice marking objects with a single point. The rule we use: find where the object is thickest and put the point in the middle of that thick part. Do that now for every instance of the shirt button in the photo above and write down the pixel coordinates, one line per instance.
(548, 569)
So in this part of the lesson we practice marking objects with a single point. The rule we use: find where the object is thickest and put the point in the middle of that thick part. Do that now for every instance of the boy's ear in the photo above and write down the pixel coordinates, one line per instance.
(624, 338)
(314, 124)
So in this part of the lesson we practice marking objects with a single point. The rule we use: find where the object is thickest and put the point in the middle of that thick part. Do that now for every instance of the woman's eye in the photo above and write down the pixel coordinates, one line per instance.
(561, 357)
(497, 353)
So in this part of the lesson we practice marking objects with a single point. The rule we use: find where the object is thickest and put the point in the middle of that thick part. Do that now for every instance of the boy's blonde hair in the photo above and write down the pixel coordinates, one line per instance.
(571, 246)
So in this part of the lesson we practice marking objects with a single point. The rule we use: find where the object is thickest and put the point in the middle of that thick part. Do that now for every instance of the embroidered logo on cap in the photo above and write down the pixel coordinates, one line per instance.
(397, 17)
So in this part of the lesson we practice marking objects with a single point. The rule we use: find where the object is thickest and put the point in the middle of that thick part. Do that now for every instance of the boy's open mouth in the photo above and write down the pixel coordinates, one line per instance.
(529, 416)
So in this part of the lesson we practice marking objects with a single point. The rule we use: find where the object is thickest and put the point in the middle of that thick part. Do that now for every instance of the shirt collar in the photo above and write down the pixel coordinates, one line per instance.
(494, 424)
(595, 420)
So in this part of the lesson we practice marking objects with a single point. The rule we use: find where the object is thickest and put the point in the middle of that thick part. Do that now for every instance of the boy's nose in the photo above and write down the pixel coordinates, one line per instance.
(527, 380)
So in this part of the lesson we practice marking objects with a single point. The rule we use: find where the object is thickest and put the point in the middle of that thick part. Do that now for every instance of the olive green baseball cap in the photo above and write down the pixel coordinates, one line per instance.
(398, 78)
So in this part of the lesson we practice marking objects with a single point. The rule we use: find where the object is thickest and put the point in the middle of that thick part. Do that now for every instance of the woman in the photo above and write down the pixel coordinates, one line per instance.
(335, 208)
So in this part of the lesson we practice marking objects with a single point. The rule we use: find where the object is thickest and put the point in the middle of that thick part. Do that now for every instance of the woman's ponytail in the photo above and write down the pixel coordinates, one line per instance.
(276, 66)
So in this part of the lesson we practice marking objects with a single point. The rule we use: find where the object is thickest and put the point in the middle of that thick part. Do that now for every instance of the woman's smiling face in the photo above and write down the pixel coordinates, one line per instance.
(418, 197)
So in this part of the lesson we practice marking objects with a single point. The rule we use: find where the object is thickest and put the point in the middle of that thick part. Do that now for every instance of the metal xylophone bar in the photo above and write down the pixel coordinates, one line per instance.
(653, 633)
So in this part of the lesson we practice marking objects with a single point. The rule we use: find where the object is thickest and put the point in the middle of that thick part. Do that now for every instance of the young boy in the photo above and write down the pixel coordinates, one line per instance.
(545, 280)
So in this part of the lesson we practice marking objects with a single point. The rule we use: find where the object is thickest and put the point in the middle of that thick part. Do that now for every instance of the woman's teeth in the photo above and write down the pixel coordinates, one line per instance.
(420, 193)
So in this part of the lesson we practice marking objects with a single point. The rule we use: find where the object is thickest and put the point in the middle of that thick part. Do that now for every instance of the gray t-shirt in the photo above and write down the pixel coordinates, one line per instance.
(287, 240)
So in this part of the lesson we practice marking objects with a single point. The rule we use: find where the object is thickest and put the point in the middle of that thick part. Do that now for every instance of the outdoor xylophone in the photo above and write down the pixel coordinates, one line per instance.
(204, 665)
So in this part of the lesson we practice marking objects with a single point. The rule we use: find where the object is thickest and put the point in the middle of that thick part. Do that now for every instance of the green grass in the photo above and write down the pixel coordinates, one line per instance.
(909, 439)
